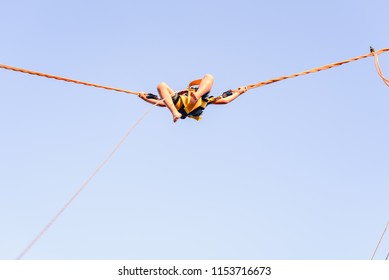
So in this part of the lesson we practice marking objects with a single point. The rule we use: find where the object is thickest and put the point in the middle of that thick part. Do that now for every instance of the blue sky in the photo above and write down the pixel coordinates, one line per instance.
(293, 170)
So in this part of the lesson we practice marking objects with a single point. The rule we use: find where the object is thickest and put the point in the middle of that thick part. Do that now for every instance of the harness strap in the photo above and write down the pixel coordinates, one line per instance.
(184, 106)
(183, 97)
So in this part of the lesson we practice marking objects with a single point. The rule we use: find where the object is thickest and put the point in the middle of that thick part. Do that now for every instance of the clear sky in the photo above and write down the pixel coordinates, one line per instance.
(293, 170)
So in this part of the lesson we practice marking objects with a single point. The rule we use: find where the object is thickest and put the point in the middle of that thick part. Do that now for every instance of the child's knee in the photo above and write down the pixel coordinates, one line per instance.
(209, 77)
(161, 86)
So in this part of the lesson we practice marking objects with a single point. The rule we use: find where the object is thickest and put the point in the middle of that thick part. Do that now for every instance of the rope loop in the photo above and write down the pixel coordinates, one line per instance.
(378, 67)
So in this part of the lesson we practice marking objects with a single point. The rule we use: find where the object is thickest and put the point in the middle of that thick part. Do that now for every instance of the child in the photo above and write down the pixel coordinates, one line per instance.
(192, 101)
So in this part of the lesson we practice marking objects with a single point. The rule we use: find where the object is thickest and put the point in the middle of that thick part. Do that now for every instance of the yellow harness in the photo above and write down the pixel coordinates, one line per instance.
(194, 110)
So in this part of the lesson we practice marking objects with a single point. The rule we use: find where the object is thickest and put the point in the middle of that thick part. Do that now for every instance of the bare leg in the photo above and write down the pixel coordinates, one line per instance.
(166, 93)
(204, 87)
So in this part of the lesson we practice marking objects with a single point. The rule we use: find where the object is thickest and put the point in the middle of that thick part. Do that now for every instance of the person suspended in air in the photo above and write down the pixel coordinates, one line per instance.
(190, 102)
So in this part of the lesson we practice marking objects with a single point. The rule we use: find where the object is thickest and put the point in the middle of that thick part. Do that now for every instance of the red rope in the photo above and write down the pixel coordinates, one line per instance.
(325, 67)
(30, 72)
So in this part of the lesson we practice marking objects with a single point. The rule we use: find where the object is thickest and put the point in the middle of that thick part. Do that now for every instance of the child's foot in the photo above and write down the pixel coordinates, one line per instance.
(193, 98)
(176, 117)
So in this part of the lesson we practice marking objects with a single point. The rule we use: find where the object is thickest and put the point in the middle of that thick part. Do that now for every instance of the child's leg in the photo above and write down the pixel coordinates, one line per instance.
(166, 93)
(204, 87)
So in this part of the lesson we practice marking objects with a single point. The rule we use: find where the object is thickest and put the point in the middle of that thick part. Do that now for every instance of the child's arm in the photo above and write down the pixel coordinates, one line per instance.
(151, 98)
(231, 97)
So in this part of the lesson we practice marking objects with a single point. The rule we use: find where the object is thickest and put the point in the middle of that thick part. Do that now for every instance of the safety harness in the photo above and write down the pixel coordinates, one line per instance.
(182, 101)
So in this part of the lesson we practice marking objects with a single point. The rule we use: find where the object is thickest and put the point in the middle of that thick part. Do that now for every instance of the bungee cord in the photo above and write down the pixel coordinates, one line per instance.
(116, 148)
(248, 87)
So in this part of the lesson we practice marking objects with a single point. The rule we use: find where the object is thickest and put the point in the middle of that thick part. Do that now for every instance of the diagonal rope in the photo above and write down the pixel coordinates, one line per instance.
(379, 242)
(7, 67)
(84, 185)
(325, 67)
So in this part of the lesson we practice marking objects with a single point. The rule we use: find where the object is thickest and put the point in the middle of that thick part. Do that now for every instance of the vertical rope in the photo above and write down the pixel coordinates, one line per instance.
(378, 68)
